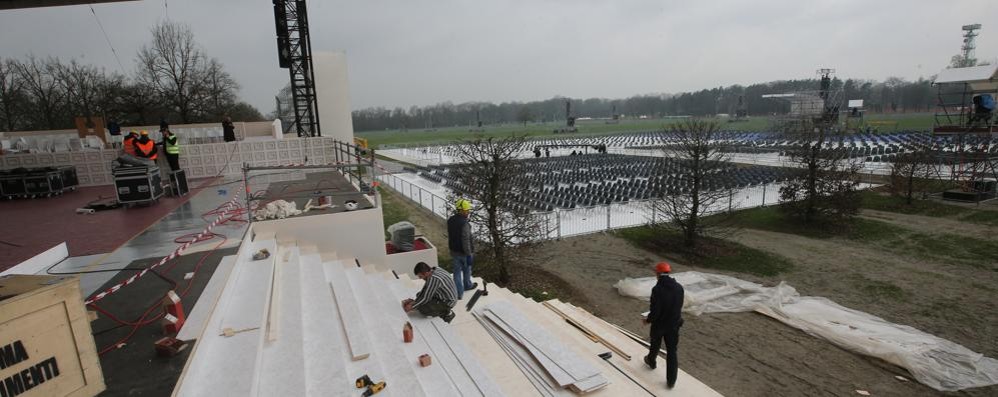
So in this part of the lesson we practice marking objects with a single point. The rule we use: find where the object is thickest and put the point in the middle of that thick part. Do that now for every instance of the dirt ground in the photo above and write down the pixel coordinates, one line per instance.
(747, 354)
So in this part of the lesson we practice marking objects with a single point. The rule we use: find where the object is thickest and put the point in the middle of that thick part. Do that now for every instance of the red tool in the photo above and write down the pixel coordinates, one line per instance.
(174, 318)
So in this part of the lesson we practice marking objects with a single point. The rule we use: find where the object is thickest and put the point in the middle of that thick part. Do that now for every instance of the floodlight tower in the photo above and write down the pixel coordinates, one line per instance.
(969, 37)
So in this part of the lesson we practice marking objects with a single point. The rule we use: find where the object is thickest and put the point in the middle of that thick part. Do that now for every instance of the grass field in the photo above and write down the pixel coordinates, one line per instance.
(714, 253)
(908, 121)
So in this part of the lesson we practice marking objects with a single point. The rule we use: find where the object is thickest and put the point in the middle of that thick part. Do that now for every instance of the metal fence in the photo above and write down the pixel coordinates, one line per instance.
(585, 220)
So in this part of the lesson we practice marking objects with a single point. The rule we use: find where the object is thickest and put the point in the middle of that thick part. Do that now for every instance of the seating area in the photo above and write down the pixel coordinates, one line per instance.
(600, 179)
(50, 144)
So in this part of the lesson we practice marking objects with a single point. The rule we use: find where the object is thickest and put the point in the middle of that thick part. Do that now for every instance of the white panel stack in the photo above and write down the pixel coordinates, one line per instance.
(535, 350)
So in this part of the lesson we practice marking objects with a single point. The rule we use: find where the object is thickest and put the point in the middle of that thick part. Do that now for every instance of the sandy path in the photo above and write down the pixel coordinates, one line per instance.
(931, 224)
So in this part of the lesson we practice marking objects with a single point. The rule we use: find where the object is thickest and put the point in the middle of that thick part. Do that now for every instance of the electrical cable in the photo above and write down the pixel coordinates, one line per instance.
(145, 319)
(122, 68)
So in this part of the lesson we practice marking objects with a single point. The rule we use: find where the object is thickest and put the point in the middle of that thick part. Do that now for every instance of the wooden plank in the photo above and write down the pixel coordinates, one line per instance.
(487, 352)
(326, 353)
(222, 365)
(443, 357)
(282, 366)
(540, 380)
(386, 336)
(486, 386)
(560, 376)
(433, 378)
(350, 313)
(583, 325)
(543, 341)
(651, 379)
(274, 305)
(197, 319)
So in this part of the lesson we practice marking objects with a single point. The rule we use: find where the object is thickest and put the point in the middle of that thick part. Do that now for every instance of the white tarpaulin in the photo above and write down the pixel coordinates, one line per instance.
(936, 362)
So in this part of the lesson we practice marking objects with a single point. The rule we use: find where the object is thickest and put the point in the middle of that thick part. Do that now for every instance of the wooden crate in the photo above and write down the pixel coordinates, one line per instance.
(46, 345)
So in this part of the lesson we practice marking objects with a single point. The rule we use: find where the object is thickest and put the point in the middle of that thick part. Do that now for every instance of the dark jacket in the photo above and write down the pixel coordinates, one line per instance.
(459, 235)
(228, 131)
(666, 304)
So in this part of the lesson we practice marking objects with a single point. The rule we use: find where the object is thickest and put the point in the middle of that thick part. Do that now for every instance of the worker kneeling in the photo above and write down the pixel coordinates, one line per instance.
(438, 295)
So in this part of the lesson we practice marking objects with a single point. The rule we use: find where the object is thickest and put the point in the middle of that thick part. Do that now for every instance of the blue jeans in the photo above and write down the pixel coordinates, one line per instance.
(462, 273)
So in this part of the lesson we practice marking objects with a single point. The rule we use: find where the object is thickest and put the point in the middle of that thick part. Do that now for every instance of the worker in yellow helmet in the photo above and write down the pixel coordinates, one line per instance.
(462, 248)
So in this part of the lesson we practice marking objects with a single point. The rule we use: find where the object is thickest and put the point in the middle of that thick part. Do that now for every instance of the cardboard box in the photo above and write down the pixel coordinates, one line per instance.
(46, 345)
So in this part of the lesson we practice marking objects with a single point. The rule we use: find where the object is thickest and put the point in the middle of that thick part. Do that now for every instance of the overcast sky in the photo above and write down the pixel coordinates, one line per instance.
(403, 53)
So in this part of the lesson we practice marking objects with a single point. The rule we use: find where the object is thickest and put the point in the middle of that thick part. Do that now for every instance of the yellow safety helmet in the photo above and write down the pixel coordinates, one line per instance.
(144, 132)
(463, 205)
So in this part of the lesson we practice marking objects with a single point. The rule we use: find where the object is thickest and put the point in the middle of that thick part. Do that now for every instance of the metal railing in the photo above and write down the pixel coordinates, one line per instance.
(586, 220)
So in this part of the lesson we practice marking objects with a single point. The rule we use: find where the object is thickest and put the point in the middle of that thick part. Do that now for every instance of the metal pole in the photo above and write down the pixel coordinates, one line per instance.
(557, 215)
(433, 204)
(420, 197)
(764, 195)
(608, 216)
(731, 195)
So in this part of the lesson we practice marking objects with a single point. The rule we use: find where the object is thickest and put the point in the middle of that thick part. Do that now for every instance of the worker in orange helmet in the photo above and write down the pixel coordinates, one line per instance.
(665, 317)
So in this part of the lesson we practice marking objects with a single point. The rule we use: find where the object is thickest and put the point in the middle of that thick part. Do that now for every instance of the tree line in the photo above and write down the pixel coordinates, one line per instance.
(892, 95)
(174, 79)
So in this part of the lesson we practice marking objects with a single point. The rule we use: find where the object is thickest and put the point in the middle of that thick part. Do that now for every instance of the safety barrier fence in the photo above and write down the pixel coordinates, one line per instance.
(581, 220)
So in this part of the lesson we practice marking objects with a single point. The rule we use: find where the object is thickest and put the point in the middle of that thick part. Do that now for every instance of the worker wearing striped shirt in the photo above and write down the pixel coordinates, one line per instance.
(438, 295)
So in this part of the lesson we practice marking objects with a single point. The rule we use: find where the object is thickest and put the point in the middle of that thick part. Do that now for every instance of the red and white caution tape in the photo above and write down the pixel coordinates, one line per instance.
(230, 206)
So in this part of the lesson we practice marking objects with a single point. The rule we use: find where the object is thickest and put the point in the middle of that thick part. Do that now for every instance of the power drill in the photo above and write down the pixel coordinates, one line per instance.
(372, 388)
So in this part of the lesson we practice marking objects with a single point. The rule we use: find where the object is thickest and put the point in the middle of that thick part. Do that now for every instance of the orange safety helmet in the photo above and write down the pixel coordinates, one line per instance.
(663, 267)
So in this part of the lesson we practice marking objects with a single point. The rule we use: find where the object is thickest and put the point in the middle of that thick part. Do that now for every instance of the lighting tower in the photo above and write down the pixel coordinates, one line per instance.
(969, 35)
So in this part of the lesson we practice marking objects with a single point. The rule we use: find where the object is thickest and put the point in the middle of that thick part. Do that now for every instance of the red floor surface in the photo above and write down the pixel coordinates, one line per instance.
(31, 226)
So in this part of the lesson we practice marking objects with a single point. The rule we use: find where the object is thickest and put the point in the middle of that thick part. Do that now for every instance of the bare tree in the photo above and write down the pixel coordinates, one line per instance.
(491, 177)
(89, 90)
(824, 188)
(12, 96)
(179, 72)
(698, 156)
(911, 171)
(45, 93)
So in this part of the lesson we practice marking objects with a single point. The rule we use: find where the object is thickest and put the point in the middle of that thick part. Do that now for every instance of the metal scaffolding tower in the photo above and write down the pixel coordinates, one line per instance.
(295, 53)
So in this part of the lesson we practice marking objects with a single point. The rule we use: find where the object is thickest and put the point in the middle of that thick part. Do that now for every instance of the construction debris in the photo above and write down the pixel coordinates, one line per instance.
(261, 254)
(277, 209)
(169, 347)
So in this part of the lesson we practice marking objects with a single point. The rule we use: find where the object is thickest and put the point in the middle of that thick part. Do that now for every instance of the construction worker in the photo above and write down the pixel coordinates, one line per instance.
(438, 295)
(665, 317)
(461, 245)
(128, 143)
(145, 147)
(171, 147)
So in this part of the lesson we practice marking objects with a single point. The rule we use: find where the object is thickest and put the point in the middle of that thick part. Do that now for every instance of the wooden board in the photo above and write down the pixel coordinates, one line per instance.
(540, 379)
(584, 325)
(349, 310)
(434, 378)
(544, 342)
(385, 335)
(282, 370)
(226, 365)
(43, 322)
(651, 379)
(198, 317)
(326, 353)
